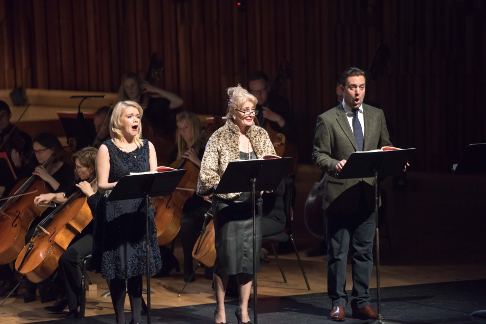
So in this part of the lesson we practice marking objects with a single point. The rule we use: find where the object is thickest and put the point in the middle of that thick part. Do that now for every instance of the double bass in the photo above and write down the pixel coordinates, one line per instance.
(18, 212)
(168, 210)
(40, 257)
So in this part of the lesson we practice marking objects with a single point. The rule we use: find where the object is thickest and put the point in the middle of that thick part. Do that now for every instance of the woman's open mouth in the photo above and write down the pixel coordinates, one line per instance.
(135, 127)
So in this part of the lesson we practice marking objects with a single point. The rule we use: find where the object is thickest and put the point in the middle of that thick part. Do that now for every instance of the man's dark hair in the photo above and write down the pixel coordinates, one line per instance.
(104, 110)
(4, 107)
(258, 75)
(352, 71)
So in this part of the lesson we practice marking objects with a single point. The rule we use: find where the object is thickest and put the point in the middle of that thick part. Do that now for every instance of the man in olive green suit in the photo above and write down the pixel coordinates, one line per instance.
(351, 126)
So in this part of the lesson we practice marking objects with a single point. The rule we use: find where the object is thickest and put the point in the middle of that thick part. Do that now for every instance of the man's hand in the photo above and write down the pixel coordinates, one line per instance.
(272, 116)
(340, 165)
(405, 168)
(16, 159)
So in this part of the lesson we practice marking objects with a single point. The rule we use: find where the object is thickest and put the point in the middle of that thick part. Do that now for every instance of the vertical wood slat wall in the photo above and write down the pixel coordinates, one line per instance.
(431, 92)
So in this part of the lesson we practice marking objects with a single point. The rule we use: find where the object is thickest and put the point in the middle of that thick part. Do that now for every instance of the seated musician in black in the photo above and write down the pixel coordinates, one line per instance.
(273, 211)
(81, 246)
(17, 145)
(159, 105)
(57, 176)
(274, 108)
(102, 125)
(188, 130)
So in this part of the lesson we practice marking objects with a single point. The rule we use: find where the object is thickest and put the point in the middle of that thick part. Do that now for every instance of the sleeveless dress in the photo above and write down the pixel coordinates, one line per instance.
(119, 249)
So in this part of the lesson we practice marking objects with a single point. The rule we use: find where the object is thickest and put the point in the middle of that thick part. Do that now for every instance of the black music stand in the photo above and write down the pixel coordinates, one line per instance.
(473, 162)
(252, 176)
(366, 164)
(145, 186)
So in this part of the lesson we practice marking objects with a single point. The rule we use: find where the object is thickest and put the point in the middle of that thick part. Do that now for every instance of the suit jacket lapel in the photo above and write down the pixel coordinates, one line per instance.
(342, 120)
(369, 127)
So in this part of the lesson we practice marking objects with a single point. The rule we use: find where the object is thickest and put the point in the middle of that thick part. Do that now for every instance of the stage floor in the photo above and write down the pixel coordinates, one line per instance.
(413, 293)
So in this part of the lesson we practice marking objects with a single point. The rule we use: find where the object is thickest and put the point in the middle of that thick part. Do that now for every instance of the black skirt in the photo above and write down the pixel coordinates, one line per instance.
(233, 226)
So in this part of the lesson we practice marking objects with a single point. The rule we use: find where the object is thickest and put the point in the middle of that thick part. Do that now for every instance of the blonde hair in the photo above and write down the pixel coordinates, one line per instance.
(115, 125)
(193, 119)
(122, 95)
(86, 157)
(238, 96)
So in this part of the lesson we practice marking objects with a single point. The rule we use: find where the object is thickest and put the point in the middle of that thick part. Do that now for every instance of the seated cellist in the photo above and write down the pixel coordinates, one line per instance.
(188, 130)
(81, 246)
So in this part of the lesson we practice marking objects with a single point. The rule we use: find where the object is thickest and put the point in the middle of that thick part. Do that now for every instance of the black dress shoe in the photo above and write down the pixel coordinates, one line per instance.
(58, 306)
(7, 287)
(169, 262)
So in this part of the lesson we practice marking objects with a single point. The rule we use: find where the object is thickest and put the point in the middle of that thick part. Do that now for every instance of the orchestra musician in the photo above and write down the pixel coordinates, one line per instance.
(59, 177)
(81, 246)
(279, 113)
(119, 248)
(101, 122)
(188, 130)
(17, 145)
(241, 139)
(348, 203)
(158, 104)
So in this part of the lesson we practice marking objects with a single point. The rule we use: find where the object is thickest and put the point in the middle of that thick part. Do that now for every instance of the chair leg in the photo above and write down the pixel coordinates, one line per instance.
(300, 262)
(278, 262)
(82, 302)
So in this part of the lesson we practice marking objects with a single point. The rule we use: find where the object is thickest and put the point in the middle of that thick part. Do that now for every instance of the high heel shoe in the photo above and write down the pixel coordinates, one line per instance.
(169, 262)
(7, 286)
(73, 313)
(215, 313)
(238, 317)
(58, 306)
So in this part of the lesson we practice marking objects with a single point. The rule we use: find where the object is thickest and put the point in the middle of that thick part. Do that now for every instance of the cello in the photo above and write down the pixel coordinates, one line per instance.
(19, 211)
(168, 210)
(38, 259)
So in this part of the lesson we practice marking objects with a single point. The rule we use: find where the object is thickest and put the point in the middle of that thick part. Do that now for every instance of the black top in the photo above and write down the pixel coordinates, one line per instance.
(158, 112)
(281, 106)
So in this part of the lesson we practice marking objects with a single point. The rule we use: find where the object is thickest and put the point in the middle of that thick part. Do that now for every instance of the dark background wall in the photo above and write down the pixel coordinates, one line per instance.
(432, 90)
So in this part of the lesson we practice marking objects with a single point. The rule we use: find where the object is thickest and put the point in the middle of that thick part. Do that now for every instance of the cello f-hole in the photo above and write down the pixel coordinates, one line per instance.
(17, 216)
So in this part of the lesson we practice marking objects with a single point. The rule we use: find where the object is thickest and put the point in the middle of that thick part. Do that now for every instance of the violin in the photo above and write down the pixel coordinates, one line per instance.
(19, 211)
(40, 258)
(168, 210)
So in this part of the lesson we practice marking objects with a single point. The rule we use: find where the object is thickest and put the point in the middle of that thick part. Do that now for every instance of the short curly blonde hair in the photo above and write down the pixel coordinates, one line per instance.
(238, 96)
(115, 125)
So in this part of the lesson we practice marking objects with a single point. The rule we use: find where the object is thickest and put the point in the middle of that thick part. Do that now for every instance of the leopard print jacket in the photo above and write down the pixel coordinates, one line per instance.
(222, 148)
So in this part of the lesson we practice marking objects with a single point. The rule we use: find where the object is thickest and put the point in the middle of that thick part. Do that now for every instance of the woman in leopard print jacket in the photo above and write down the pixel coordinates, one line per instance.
(238, 139)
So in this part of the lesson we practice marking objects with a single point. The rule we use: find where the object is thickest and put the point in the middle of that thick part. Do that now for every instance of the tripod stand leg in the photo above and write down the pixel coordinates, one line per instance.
(192, 275)
(147, 239)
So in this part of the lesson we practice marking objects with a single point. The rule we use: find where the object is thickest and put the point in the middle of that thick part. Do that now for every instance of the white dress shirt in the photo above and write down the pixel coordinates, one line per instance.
(350, 115)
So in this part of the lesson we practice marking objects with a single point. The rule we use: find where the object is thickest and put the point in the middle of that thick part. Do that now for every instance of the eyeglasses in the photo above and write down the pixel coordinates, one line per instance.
(248, 112)
(258, 92)
(39, 151)
(78, 167)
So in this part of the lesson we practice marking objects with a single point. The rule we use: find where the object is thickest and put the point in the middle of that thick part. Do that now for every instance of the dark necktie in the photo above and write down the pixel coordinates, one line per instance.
(358, 131)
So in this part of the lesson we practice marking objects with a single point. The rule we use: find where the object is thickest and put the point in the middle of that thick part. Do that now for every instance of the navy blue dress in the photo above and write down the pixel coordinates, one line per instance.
(119, 249)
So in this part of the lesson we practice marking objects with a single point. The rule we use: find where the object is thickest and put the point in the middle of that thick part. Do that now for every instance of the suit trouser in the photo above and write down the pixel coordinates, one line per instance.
(70, 268)
(359, 228)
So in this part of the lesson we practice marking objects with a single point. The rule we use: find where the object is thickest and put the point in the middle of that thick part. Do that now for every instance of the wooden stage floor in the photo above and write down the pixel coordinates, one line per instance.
(270, 284)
